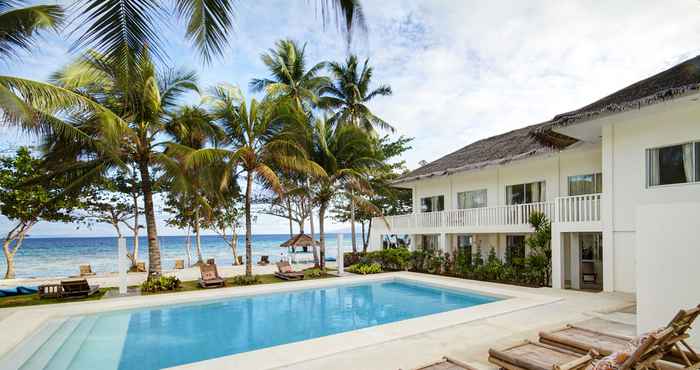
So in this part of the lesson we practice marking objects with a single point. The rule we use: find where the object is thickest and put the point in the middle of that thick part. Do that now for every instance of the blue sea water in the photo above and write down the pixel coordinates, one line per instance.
(58, 257)
(169, 336)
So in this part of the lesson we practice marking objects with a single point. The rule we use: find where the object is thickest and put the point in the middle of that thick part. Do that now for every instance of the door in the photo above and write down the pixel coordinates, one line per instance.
(591, 268)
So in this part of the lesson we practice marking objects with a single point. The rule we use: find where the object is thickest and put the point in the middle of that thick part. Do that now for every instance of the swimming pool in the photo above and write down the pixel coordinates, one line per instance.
(162, 337)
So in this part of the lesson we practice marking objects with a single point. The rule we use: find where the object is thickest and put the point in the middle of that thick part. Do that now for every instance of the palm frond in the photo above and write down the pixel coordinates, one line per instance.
(209, 24)
(19, 26)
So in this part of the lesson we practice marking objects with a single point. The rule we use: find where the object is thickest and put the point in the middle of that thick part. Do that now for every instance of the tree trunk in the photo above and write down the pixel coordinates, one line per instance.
(154, 268)
(352, 222)
(364, 245)
(314, 247)
(135, 253)
(369, 232)
(322, 235)
(198, 239)
(289, 209)
(248, 225)
(234, 247)
(16, 235)
(188, 243)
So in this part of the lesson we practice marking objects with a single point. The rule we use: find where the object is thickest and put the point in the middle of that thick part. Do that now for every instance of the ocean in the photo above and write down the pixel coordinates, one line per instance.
(59, 257)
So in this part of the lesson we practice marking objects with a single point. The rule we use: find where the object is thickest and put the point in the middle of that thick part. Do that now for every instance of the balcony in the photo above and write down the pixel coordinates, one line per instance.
(576, 212)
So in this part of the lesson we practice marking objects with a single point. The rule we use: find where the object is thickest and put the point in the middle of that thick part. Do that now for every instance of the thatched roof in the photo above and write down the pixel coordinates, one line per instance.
(299, 240)
(679, 80)
(534, 140)
(496, 150)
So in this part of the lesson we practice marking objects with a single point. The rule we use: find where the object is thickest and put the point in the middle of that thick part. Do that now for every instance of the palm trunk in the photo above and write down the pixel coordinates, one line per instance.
(188, 243)
(314, 248)
(135, 253)
(289, 209)
(154, 268)
(352, 222)
(322, 235)
(248, 225)
(198, 239)
(364, 245)
(369, 232)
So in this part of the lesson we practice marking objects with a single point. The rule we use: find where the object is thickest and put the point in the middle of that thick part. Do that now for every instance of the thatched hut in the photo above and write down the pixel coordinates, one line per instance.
(299, 244)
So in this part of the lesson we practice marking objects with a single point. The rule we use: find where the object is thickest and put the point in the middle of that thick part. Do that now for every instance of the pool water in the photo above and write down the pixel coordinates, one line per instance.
(174, 335)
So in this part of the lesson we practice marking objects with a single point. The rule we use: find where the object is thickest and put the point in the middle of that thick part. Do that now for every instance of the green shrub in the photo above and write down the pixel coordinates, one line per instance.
(246, 280)
(365, 269)
(161, 283)
(313, 273)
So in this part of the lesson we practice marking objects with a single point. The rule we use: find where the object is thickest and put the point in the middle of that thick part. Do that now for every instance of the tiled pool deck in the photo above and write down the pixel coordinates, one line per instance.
(464, 334)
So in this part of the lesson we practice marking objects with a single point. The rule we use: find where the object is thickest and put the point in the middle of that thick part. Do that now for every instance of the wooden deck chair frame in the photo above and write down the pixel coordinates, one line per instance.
(215, 282)
(675, 349)
(445, 359)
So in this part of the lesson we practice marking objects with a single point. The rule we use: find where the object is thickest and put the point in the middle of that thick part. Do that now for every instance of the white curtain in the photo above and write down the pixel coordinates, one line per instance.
(654, 167)
(688, 161)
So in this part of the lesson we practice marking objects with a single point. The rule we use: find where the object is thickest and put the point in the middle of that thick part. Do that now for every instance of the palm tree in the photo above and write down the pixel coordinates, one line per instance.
(289, 77)
(349, 94)
(260, 141)
(133, 101)
(345, 153)
(192, 128)
(19, 25)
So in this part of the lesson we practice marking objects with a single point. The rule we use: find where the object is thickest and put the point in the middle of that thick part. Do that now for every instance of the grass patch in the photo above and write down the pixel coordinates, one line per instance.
(33, 299)
(185, 286)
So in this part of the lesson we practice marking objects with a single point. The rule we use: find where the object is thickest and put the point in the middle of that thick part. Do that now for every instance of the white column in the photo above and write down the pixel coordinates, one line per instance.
(575, 261)
(607, 208)
(557, 259)
(121, 264)
(443, 242)
(340, 260)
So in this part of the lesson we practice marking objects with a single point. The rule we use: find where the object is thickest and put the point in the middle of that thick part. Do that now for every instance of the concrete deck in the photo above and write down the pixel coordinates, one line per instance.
(464, 334)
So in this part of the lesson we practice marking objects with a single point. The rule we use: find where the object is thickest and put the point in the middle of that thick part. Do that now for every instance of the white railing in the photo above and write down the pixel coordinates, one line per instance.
(580, 208)
(486, 216)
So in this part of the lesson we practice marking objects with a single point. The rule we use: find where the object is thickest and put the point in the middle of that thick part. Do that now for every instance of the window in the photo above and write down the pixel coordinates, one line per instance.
(674, 164)
(432, 204)
(464, 247)
(471, 199)
(526, 193)
(586, 184)
(430, 243)
(515, 249)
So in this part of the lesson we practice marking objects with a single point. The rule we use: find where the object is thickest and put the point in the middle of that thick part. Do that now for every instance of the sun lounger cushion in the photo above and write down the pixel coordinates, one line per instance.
(615, 360)
(208, 275)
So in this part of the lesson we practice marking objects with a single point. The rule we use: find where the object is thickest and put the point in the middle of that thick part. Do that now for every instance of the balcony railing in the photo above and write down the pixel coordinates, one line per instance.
(582, 208)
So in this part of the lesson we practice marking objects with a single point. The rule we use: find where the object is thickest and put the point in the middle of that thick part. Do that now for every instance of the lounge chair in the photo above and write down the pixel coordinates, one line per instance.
(179, 264)
(140, 266)
(538, 356)
(264, 261)
(582, 340)
(71, 288)
(210, 276)
(286, 272)
(446, 363)
(86, 270)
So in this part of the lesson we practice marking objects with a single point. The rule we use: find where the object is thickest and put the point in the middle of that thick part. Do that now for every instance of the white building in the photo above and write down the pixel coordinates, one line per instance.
(619, 179)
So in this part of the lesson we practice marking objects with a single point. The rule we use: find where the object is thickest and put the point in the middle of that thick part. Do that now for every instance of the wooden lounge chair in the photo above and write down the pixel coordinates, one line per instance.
(179, 264)
(538, 356)
(264, 261)
(446, 363)
(582, 340)
(86, 270)
(286, 272)
(210, 276)
(77, 288)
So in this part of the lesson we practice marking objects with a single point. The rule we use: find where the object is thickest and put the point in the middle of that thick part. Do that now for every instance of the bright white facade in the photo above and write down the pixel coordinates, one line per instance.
(646, 159)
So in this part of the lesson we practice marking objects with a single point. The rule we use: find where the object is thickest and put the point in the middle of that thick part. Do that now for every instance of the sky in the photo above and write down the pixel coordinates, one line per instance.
(460, 70)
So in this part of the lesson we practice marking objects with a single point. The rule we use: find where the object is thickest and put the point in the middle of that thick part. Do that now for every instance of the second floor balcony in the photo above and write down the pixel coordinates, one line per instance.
(577, 213)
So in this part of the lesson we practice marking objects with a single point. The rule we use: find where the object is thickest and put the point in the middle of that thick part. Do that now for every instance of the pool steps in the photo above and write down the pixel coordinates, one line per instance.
(70, 344)
(25, 350)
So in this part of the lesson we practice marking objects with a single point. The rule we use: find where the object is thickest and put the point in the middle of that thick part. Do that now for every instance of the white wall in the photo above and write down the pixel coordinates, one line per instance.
(552, 168)
(668, 254)
(631, 134)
